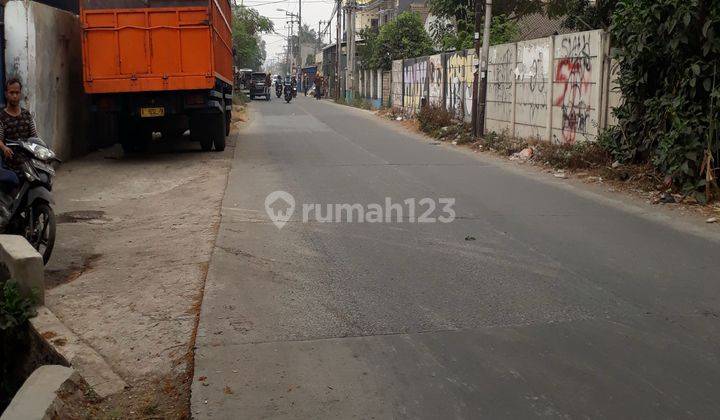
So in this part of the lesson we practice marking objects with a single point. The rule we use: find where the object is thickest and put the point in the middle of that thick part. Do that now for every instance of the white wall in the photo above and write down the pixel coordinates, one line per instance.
(43, 50)
(548, 88)
(578, 71)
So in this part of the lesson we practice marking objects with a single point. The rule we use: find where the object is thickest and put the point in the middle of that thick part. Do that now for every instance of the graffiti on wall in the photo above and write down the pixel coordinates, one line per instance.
(397, 84)
(469, 83)
(414, 78)
(573, 77)
(500, 86)
(455, 80)
(533, 87)
(435, 80)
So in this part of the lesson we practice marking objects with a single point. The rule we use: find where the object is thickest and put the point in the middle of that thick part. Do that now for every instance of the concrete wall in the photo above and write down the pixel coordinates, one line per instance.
(414, 83)
(559, 89)
(397, 84)
(436, 79)
(459, 83)
(533, 84)
(500, 87)
(43, 50)
(577, 78)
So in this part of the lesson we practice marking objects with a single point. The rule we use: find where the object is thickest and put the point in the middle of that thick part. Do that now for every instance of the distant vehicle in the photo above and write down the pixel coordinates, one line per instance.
(243, 81)
(258, 85)
(288, 90)
(159, 66)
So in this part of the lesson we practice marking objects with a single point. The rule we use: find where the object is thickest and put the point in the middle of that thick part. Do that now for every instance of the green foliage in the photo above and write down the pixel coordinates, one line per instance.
(460, 36)
(455, 26)
(669, 56)
(247, 26)
(366, 50)
(583, 15)
(307, 36)
(14, 309)
(403, 37)
(14, 314)
(240, 97)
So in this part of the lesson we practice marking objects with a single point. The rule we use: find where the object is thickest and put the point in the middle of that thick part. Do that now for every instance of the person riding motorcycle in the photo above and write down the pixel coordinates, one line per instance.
(278, 85)
(15, 123)
(293, 82)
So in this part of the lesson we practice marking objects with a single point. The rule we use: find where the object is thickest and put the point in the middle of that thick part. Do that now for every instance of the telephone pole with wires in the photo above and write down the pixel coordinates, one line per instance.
(338, 47)
(480, 87)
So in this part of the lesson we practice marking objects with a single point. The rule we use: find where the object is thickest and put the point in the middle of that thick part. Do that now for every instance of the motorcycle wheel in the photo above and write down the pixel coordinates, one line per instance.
(40, 232)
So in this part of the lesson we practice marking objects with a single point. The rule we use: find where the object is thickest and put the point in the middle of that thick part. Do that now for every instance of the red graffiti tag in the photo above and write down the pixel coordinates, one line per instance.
(574, 74)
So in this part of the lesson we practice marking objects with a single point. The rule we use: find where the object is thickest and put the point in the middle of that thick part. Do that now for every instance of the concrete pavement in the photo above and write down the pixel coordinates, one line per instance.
(563, 305)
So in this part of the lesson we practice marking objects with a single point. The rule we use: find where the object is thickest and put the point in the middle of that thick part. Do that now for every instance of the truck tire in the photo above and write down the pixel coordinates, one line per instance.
(200, 131)
(217, 131)
(228, 122)
(132, 137)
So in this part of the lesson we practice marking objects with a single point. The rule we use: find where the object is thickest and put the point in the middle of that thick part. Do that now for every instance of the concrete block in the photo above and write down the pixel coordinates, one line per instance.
(37, 399)
(24, 264)
(93, 368)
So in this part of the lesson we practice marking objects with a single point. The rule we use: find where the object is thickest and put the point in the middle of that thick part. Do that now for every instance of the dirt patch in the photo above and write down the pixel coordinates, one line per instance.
(79, 216)
(56, 277)
(131, 288)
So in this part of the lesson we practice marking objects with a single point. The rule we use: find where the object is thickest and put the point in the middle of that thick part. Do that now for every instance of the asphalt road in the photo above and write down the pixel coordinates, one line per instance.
(564, 305)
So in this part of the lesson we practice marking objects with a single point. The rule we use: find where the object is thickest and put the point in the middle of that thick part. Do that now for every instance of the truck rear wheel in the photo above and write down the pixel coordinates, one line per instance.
(133, 138)
(218, 131)
(228, 122)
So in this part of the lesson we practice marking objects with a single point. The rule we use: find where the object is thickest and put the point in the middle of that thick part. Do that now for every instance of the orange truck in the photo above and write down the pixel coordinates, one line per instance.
(162, 66)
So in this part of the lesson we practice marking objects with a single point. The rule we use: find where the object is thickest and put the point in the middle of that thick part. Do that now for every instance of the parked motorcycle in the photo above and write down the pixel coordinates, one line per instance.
(31, 210)
(288, 92)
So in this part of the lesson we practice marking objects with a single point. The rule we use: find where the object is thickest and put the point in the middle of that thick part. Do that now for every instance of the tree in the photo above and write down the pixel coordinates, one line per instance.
(403, 37)
(366, 49)
(455, 24)
(247, 26)
(583, 15)
(454, 27)
(310, 59)
(669, 74)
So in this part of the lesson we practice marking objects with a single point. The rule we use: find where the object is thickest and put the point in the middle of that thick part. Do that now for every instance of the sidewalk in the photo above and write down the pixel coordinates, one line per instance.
(133, 244)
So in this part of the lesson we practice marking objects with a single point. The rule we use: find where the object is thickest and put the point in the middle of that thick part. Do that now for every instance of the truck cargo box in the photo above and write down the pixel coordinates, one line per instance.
(156, 45)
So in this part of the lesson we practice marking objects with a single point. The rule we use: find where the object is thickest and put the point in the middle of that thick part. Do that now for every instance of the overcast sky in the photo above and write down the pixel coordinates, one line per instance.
(313, 11)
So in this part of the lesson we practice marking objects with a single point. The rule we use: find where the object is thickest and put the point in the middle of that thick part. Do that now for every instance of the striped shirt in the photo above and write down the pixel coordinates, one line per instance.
(19, 127)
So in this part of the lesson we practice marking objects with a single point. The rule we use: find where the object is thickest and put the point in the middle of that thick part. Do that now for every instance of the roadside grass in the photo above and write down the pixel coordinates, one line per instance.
(356, 102)
(240, 98)
(587, 160)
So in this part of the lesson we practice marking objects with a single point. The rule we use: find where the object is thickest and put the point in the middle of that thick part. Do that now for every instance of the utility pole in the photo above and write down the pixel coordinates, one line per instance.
(299, 16)
(338, 48)
(292, 47)
(480, 90)
(319, 37)
(350, 42)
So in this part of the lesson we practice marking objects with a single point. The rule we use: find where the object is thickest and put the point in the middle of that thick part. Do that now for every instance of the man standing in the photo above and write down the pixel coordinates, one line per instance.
(16, 123)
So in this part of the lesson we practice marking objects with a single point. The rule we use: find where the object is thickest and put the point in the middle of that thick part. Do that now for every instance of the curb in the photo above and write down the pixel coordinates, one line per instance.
(38, 397)
(89, 364)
